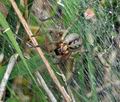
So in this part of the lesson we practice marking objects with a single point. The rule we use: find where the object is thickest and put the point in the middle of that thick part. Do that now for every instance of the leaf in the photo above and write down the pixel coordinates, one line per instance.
(19, 69)
(90, 39)
(11, 37)
(89, 14)
(12, 99)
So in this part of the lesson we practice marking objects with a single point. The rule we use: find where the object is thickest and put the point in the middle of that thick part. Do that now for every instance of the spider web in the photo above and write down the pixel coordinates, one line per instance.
(96, 70)
(96, 75)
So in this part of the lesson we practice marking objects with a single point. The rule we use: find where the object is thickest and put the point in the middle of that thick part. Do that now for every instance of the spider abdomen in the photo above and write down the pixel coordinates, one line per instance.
(73, 40)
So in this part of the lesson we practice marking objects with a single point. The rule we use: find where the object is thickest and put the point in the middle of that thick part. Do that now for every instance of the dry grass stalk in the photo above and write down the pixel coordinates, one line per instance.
(45, 87)
(7, 74)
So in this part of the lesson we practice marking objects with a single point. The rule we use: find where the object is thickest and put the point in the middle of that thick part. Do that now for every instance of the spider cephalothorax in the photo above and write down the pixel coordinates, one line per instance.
(62, 49)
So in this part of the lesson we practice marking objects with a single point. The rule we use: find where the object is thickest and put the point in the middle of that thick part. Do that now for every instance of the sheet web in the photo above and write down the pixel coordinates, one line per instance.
(96, 74)
(90, 73)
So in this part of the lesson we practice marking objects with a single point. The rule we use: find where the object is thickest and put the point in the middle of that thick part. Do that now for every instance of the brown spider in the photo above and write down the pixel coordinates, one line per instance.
(64, 47)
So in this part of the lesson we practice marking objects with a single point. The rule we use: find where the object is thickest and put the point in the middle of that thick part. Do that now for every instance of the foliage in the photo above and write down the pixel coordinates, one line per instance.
(98, 34)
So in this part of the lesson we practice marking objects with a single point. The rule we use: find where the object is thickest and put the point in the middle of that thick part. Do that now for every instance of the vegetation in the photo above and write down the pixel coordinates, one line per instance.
(59, 50)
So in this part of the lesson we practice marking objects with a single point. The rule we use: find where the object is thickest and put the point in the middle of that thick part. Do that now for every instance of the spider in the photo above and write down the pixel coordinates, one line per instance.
(62, 47)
